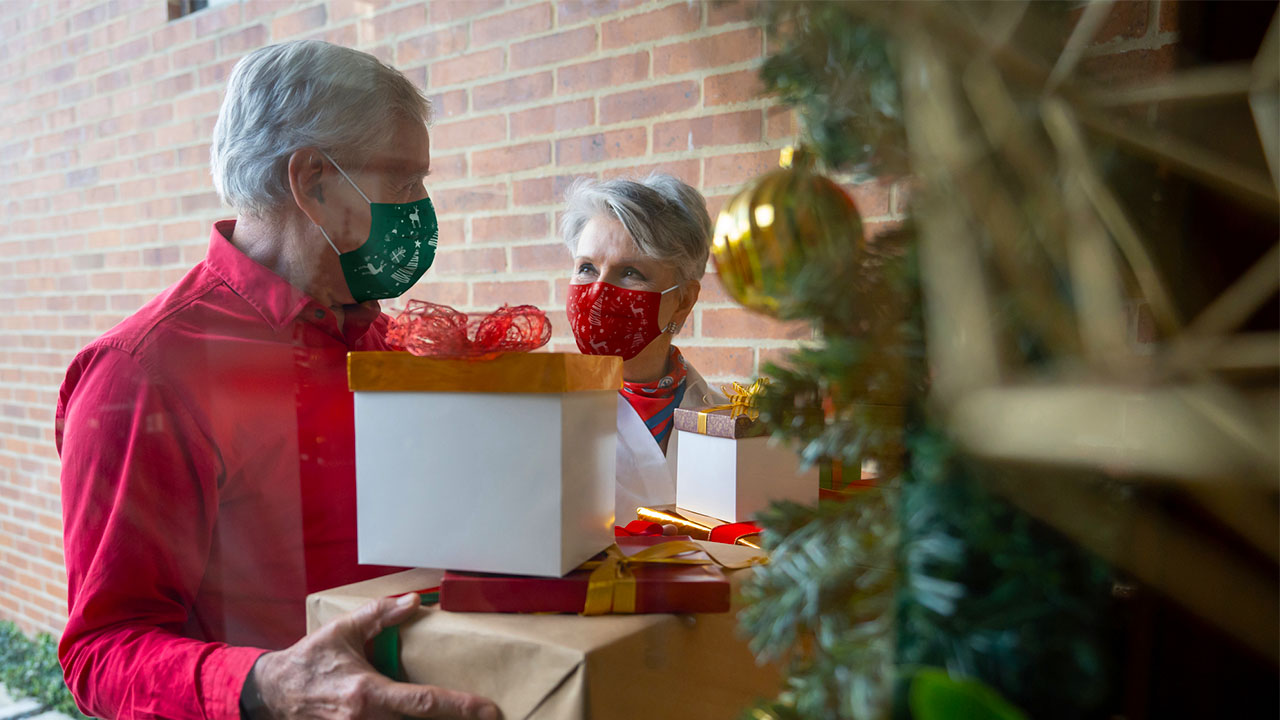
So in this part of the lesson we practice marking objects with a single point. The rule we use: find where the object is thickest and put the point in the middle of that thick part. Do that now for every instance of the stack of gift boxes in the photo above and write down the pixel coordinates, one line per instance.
(502, 471)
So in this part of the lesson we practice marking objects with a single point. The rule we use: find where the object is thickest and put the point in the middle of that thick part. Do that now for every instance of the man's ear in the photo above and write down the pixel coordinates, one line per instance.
(306, 182)
(688, 298)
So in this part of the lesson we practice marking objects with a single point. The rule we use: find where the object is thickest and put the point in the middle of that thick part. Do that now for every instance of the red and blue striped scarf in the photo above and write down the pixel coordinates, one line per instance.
(655, 402)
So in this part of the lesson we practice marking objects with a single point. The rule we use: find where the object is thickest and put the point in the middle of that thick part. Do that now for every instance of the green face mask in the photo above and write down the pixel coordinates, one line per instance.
(401, 246)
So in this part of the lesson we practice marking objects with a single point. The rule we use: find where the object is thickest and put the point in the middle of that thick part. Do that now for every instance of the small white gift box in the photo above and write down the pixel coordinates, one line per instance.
(724, 472)
(505, 465)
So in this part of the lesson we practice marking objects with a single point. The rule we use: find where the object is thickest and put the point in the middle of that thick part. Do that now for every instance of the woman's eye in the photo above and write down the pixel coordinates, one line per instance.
(585, 268)
(633, 273)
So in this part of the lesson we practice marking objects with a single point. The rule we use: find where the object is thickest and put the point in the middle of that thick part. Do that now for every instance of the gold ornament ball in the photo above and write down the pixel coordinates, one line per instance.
(775, 226)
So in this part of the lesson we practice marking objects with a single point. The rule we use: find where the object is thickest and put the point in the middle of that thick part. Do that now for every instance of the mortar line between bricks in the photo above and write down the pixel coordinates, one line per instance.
(1154, 41)
(701, 33)
(513, 74)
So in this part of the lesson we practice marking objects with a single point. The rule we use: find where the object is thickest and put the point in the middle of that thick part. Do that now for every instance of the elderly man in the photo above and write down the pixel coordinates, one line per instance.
(207, 442)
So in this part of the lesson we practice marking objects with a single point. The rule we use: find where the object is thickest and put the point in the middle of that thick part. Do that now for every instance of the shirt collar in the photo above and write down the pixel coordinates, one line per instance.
(278, 302)
(272, 296)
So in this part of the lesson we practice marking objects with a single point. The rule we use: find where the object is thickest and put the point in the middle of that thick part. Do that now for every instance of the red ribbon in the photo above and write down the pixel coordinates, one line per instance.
(432, 330)
(730, 533)
(638, 528)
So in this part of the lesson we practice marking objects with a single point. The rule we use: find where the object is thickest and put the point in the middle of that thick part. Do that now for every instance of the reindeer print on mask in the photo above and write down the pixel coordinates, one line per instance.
(609, 320)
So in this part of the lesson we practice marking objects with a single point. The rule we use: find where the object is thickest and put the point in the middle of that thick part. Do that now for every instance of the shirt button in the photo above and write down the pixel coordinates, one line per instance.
(319, 314)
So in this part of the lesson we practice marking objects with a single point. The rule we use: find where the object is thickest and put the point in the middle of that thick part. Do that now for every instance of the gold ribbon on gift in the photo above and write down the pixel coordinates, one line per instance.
(612, 584)
(742, 401)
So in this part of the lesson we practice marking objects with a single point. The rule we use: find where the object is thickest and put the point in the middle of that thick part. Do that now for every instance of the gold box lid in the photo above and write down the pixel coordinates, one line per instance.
(537, 372)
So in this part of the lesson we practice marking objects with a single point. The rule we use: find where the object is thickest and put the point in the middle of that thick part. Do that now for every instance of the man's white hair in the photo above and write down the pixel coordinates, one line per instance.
(666, 218)
(300, 94)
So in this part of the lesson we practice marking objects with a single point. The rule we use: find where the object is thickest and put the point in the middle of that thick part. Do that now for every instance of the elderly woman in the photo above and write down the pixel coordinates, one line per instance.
(639, 252)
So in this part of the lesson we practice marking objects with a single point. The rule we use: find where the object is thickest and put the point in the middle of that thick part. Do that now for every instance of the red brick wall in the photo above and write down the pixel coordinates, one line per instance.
(105, 195)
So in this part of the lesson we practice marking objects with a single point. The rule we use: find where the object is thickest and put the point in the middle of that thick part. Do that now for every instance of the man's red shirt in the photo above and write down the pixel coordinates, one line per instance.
(208, 485)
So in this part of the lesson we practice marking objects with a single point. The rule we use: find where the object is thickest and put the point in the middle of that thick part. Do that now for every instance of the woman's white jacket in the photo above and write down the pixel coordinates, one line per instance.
(645, 476)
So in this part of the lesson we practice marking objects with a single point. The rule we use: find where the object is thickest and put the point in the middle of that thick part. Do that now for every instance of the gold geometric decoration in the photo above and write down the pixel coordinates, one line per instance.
(1014, 210)
(1264, 97)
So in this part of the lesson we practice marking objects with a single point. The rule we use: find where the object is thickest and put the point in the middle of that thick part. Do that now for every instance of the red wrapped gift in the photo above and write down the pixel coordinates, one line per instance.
(641, 574)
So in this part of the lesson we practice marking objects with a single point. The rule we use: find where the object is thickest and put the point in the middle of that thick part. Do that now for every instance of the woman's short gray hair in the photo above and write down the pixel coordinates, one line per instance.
(665, 217)
(300, 94)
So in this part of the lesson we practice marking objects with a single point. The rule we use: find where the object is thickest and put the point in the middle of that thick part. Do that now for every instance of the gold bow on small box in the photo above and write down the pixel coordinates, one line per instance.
(742, 402)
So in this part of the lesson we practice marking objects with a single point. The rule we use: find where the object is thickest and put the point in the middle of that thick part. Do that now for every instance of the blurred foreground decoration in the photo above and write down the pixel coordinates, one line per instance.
(1014, 203)
(1055, 212)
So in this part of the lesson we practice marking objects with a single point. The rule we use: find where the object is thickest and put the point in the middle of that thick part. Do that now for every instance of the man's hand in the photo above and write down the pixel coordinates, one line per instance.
(325, 675)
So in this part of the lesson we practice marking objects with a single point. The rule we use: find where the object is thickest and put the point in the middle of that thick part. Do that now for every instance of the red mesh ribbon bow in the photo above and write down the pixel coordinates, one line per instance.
(432, 330)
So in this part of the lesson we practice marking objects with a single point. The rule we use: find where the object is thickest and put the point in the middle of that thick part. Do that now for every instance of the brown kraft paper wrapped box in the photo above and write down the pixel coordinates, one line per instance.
(545, 667)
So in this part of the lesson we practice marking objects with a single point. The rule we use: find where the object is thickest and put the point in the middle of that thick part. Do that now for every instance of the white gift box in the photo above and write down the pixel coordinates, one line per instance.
(734, 478)
(503, 466)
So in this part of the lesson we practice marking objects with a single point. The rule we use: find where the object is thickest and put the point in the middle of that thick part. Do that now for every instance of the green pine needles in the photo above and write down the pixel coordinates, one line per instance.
(928, 596)
(824, 606)
(836, 70)
(988, 592)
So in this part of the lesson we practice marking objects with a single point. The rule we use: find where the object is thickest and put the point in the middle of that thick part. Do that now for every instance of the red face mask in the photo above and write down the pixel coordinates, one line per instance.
(609, 320)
